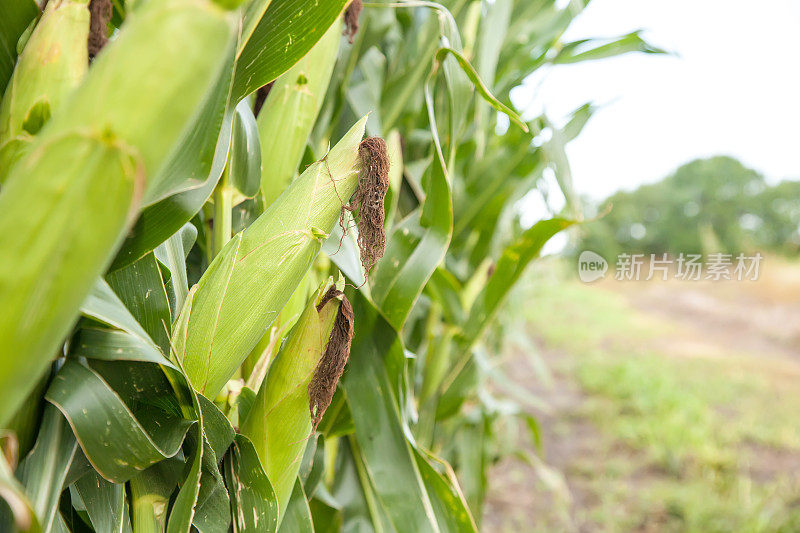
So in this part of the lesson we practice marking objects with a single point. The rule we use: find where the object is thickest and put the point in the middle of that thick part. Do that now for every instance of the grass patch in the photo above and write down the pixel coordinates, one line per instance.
(707, 439)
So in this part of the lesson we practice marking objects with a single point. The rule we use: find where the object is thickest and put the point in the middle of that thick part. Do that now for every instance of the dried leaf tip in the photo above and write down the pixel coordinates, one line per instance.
(331, 365)
(351, 15)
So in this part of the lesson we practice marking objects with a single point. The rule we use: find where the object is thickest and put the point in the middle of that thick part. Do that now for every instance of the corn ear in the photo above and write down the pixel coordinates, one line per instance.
(58, 228)
(52, 64)
(149, 81)
(279, 422)
(289, 113)
(255, 274)
(68, 201)
(255, 366)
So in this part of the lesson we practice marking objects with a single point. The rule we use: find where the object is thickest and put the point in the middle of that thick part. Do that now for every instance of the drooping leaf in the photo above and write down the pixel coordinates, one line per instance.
(116, 441)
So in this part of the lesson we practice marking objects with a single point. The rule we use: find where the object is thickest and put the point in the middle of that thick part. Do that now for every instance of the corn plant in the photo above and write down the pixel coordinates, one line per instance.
(224, 308)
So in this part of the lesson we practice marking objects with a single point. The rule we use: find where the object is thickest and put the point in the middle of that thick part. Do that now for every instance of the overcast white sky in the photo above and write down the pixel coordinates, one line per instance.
(733, 89)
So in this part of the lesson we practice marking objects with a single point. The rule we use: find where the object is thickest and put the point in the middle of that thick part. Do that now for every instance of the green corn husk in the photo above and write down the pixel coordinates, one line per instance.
(52, 64)
(148, 83)
(255, 366)
(58, 227)
(279, 422)
(289, 113)
(70, 199)
(255, 274)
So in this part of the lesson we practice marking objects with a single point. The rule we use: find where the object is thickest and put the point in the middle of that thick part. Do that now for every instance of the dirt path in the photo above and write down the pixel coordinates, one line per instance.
(720, 317)
(699, 320)
(519, 491)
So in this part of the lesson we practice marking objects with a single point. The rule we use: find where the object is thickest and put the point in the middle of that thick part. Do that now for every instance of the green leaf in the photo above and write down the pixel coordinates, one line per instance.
(62, 213)
(45, 469)
(449, 505)
(106, 503)
(289, 113)
(416, 247)
(244, 160)
(172, 254)
(253, 503)
(15, 16)
(141, 287)
(375, 355)
(588, 49)
(286, 32)
(484, 91)
(509, 268)
(116, 441)
(15, 507)
(298, 515)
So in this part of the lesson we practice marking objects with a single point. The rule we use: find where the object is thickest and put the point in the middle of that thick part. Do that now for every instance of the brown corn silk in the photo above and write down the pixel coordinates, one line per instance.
(351, 15)
(368, 200)
(331, 365)
(100, 14)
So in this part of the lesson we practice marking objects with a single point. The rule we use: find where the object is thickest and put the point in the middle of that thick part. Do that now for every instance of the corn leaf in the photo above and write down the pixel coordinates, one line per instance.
(286, 32)
(592, 49)
(106, 503)
(141, 287)
(298, 515)
(16, 510)
(15, 16)
(253, 503)
(172, 254)
(118, 442)
(449, 505)
(374, 405)
(508, 270)
(416, 246)
(45, 469)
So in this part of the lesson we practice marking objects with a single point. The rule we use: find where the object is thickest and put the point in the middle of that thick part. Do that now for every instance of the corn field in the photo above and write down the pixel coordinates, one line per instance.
(253, 254)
